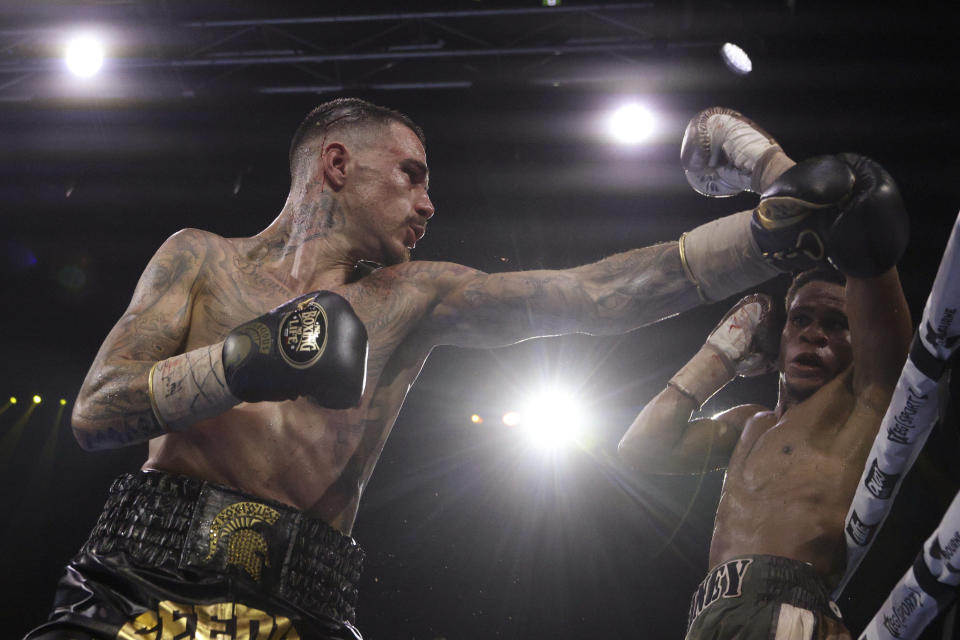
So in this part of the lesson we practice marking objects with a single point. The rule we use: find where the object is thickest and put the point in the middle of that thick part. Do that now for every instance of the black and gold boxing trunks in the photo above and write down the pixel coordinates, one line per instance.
(760, 597)
(173, 557)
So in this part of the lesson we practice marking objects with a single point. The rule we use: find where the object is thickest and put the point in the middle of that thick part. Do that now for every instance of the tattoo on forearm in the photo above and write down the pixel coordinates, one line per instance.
(119, 414)
(137, 427)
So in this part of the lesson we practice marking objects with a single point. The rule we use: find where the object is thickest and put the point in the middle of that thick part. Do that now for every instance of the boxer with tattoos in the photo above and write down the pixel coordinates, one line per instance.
(267, 372)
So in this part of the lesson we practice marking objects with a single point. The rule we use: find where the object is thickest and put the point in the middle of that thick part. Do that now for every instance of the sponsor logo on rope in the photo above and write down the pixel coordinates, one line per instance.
(938, 337)
(899, 617)
(860, 532)
(880, 484)
(944, 554)
(903, 422)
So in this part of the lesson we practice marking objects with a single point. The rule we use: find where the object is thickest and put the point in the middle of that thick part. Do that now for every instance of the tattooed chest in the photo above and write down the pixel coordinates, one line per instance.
(252, 276)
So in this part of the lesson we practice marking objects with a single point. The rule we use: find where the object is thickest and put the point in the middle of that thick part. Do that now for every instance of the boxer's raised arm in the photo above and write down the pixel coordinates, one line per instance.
(868, 238)
(113, 406)
(880, 332)
(663, 439)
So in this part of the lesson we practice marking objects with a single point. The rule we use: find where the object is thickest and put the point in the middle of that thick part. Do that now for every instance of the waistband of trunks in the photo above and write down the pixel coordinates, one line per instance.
(180, 523)
(764, 578)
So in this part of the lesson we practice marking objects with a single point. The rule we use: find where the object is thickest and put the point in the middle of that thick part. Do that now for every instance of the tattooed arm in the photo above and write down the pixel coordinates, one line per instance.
(616, 294)
(113, 406)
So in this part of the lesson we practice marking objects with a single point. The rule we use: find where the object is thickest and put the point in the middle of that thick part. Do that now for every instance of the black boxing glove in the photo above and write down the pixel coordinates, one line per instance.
(313, 345)
(871, 230)
(795, 212)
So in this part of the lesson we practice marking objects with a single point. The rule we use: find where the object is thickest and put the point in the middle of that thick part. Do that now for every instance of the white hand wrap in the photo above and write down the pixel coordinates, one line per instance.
(721, 258)
(742, 338)
(189, 387)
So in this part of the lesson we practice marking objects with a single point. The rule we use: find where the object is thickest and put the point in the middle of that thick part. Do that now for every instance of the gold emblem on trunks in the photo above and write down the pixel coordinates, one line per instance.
(246, 547)
(219, 621)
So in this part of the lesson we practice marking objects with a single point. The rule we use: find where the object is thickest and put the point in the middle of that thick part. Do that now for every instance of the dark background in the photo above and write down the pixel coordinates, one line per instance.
(470, 532)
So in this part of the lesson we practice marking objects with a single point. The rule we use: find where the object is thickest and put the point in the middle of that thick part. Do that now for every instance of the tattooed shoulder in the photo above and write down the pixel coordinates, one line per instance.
(179, 257)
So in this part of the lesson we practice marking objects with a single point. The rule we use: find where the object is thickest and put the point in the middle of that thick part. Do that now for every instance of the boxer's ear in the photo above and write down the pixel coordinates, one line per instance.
(333, 165)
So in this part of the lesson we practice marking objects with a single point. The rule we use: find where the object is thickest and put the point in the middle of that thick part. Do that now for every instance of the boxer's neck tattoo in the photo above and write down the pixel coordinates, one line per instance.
(311, 220)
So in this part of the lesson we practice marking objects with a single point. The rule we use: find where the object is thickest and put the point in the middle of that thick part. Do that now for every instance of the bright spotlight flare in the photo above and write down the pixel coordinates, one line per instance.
(736, 59)
(84, 55)
(630, 124)
(552, 420)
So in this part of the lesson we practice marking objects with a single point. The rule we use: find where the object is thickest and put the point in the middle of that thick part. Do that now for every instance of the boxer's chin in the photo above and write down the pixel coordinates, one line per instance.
(404, 256)
(398, 257)
(802, 391)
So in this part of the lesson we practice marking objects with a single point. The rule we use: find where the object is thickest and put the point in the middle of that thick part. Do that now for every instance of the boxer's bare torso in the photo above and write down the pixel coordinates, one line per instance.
(297, 452)
(790, 480)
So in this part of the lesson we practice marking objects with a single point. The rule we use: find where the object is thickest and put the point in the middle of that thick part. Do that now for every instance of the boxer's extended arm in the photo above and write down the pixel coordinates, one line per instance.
(113, 406)
(634, 288)
(614, 295)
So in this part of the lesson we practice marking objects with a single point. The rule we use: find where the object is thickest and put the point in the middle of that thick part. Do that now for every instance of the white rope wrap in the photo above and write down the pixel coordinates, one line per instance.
(904, 430)
(926, 588)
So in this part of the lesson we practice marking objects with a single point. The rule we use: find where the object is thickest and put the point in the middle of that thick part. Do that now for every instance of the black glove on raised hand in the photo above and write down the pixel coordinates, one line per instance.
(872, 229)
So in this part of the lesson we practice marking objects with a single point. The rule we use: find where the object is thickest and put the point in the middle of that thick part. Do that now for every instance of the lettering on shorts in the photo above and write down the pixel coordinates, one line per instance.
(880, 484)
(903, 421)
(859, 531)
(725, 581)
(900, 614)
(219, 621)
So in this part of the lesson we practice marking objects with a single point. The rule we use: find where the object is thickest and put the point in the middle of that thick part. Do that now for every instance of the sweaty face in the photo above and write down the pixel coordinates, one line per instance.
(389, 195)
(815, 344)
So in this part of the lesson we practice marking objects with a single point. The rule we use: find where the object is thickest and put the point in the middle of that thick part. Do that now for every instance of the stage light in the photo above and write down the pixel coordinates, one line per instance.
(475, 419)
(37, 399)
(63, 402)
(511, 418)
(13, 400)
(736, 59)
(552, 419)
(84, 55)
(630, 124)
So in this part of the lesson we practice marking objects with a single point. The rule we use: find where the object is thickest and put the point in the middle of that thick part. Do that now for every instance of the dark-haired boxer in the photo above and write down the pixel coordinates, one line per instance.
(264, 426)
(778, 543)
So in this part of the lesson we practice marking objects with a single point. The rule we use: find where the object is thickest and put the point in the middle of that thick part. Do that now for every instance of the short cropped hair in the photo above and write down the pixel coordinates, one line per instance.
(825, 273)
(347, 112)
